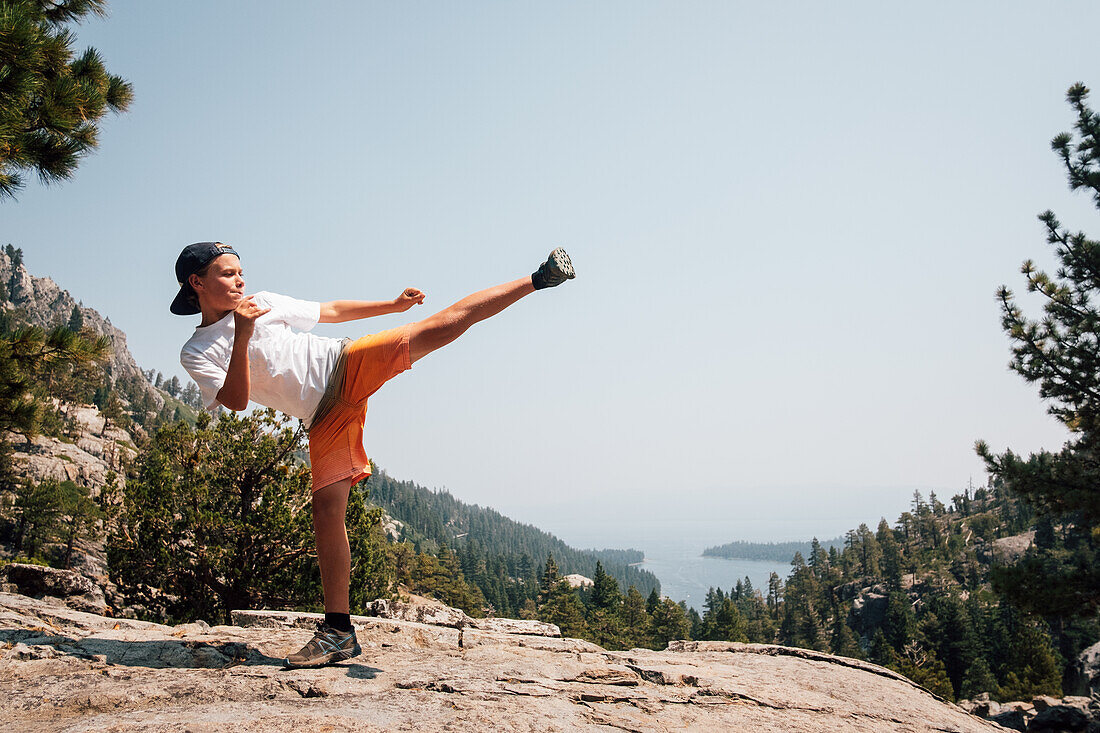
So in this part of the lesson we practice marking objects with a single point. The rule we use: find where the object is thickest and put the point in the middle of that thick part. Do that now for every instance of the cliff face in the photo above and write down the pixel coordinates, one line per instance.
(68, 670)
(44, 303)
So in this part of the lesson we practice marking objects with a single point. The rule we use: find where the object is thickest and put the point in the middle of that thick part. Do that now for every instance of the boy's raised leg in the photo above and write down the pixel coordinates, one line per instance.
(448, 324)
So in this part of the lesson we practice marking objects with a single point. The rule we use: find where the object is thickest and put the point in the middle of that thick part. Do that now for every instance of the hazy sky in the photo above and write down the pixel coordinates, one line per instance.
(788, 221)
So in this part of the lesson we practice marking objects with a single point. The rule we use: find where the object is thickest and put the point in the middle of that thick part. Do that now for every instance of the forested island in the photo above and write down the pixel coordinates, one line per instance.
(773, 551)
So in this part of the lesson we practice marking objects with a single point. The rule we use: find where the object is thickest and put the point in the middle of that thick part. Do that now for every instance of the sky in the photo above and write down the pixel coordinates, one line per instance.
(788, 220)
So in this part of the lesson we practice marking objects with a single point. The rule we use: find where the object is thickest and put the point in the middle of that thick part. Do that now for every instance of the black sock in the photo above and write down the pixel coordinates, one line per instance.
(338, 621)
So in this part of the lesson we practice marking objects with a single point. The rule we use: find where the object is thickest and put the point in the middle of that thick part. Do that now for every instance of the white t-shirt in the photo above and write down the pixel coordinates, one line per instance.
(288, 370)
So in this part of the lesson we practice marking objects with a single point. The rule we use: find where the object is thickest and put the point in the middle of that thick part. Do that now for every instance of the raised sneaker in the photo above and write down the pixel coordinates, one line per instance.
(557, 269)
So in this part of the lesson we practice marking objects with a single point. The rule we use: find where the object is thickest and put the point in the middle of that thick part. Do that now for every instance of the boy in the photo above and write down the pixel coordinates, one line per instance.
(256, 347)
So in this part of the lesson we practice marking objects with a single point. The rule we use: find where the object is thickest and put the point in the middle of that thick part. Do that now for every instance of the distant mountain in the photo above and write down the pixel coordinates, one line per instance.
(775, 551)
(26, 300)
(39, 301)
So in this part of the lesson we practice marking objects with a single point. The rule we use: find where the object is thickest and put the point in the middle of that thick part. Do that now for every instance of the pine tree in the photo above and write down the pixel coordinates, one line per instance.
(652, 601)
(979, 678)
(562, 608)
(1059, 353)
(819, 559)
(1032, 666)
(900, 623)
(924, 668)
(729, 623)
(669, 621)
(891, 555)
(605, 590)
(951, 632)
(634, 619)
(844, 642)
(39, 507)
(372, 568)
(216, 518)
(605, 628)
(50, 100)
(881, 652)
(549, 577)
(775, 593)
(35, 366)
(82, 517)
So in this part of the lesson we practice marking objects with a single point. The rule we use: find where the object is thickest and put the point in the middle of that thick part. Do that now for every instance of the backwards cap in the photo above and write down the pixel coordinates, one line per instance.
(193, 258)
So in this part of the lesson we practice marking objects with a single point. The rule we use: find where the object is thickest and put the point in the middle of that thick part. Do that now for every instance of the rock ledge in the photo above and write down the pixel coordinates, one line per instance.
(67, 670)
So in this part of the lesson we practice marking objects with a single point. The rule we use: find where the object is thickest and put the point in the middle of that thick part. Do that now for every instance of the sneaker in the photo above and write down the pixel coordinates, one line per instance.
(557, 269)
(328, 645)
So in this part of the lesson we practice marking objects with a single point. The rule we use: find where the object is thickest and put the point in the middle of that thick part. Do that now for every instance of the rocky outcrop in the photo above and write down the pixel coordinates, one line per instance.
(43, 303)
(64, 670)
(88, 461)
(1043, 714)
(91, 460)
(868, 610)
(1008, 550)
(59, 586)
(576, 580)
(1085, 678)
(428, 611)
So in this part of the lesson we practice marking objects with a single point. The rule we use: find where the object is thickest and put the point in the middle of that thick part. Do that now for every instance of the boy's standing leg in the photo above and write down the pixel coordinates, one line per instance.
(335, 640)
(333, 643)
(330, 508)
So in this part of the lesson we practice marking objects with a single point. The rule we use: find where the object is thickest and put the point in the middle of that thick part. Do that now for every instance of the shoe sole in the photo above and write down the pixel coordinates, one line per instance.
(562, 263)
(331, 658)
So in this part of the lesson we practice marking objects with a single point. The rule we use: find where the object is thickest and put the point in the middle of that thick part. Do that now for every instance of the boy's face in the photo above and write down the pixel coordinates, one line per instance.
(222, 287)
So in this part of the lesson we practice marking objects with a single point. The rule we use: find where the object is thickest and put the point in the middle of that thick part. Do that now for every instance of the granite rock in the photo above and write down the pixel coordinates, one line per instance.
(65, 670)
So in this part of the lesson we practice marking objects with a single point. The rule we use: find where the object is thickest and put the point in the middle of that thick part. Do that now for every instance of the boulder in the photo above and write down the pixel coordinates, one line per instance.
(66, 586)
(529, 627)
(424, 612)
(430, 613)
(1044, 702)
(1010, 718)
(1059, 719)
(981, 706)
(1084, 703)
(1008, 550)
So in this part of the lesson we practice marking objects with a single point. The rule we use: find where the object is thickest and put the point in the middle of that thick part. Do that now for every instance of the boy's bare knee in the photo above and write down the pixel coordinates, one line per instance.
(328, 510)
(434, 333)
(331, 501)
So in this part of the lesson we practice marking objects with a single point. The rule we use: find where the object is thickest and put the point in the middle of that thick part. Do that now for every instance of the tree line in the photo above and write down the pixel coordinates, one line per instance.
(774, 551)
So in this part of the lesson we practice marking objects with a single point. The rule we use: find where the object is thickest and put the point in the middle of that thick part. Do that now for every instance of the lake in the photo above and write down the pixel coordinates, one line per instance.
(687, 576)
(673, 547)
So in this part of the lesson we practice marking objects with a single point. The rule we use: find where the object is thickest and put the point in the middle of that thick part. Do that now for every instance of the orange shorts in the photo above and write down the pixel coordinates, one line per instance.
(336, 441)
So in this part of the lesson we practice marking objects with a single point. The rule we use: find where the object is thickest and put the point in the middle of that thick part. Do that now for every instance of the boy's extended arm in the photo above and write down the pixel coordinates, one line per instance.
(338, 311)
